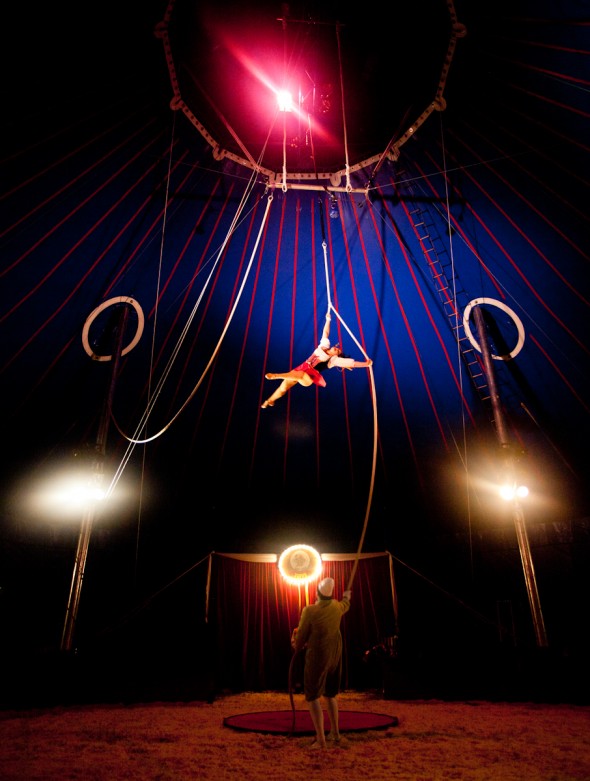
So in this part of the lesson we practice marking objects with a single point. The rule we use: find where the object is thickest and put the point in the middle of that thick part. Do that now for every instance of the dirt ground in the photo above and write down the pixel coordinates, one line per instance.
(433, 741)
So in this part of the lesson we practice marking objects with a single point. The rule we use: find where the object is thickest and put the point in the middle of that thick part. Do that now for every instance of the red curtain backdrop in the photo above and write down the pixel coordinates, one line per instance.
(251, 612)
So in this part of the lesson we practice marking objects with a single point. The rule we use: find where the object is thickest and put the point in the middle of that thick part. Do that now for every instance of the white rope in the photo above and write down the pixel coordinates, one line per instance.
(348, 185)
(151, 404)
(375, 421)
(372, 483)
(218, 345)
(284, 152)
(325, 248)
(133, 441)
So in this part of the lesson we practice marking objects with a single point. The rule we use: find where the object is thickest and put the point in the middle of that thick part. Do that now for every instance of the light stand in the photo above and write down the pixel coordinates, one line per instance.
(89, 513)
(519, 522)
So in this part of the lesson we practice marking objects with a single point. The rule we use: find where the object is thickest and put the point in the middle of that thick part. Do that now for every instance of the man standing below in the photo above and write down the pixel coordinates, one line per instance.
(319, 633)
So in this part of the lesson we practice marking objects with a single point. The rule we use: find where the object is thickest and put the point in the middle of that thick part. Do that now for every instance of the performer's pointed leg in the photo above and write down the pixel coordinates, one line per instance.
(279, 393)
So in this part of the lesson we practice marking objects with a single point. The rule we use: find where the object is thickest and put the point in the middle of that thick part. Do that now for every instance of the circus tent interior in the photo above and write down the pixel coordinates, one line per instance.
(170, 236)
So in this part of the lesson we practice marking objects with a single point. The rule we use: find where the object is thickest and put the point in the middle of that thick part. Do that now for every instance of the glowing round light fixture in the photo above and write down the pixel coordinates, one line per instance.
(285, 100)
(300, 564)
(510, 492)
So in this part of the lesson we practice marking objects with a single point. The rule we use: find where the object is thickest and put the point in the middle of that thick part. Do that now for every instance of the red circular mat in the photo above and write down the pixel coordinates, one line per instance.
(282, 721)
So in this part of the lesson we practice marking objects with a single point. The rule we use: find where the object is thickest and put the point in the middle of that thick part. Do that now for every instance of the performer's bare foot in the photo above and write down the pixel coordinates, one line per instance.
(270, 376)
(316, 745)
(267, 403)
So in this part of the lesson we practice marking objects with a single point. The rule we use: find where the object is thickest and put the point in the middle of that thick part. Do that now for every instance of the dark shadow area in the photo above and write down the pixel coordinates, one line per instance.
(502, 675)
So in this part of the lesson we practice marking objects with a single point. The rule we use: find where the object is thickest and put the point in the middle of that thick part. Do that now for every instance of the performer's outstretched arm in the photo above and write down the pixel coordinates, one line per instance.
(326, 331)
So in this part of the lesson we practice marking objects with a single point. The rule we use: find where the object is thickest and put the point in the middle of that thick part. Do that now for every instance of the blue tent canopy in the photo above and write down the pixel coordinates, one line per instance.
(132, 185)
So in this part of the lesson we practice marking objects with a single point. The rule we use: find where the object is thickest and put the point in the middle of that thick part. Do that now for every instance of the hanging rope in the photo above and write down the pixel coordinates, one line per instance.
(373, 395)
(227, 324)
(325, 249)
(348, 185)
(135, 441)
(374, 458)
(373, 463)
(284, 25)
(284, 185)
(372, 485)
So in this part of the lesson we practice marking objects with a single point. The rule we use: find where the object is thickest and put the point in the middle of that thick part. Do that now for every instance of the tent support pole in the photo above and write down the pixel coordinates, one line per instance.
(518, 514)
(67, 637)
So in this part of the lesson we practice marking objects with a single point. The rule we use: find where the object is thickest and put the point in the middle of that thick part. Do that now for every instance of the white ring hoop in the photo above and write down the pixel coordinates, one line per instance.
(515, 318)
(94, 314)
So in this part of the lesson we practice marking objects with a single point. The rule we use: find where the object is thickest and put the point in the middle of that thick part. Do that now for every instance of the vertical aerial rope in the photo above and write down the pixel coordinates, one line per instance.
(348, 185)
(373, 395)
(325, 249)
(284, 186)
(374, 459)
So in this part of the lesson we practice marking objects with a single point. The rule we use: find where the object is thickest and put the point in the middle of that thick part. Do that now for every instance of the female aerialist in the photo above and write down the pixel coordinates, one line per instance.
(308, 372)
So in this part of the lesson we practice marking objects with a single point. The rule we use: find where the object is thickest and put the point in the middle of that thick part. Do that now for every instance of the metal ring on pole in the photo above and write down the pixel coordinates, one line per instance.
(94, 314)
(515, 318)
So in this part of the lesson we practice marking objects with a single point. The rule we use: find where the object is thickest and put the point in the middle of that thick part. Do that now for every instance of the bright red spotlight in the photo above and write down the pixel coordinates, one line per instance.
(285, 100)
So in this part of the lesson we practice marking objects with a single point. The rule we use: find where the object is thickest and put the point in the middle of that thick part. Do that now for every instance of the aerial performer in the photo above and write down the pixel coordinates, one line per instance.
(309, 372)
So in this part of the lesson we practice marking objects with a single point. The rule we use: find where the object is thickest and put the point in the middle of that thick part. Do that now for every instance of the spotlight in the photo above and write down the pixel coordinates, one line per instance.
(300, 564)
(512, 491)
(285, 100)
